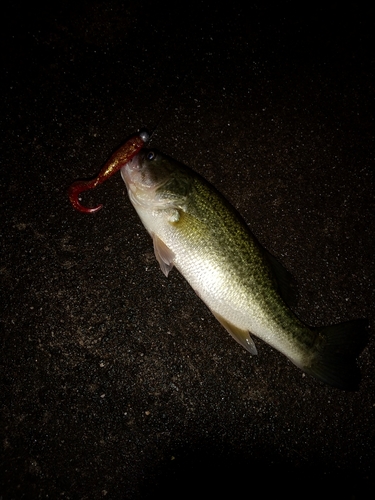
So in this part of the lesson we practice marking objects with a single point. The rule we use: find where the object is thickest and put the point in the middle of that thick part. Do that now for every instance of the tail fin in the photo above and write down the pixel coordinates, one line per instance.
(335, 361)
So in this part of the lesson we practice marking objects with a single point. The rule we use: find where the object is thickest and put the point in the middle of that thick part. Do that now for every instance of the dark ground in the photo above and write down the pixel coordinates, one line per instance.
(118, 382)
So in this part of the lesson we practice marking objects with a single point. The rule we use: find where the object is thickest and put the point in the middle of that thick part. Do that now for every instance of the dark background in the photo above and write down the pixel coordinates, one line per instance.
(117, 382)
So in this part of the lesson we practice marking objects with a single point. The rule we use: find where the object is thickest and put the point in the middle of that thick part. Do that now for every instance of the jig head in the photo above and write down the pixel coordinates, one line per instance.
(121, 156)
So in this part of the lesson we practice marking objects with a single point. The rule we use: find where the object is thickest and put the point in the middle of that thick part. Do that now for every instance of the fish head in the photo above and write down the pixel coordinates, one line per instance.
(154, 180)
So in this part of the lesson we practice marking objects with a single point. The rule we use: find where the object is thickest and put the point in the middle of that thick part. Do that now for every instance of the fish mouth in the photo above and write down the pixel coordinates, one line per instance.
(133, 164)
(141, 190)
(129, 169)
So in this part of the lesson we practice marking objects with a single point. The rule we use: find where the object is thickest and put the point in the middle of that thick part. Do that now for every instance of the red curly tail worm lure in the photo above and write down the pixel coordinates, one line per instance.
(121, 156)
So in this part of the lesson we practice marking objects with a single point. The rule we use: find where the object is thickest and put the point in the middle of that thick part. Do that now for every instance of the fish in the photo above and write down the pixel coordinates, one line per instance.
(197, 231)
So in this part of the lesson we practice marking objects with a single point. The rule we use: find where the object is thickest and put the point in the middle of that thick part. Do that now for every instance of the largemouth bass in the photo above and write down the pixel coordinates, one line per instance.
(196, 230)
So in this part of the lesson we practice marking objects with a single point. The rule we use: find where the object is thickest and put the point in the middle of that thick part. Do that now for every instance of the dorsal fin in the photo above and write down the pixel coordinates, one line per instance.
(285, 281)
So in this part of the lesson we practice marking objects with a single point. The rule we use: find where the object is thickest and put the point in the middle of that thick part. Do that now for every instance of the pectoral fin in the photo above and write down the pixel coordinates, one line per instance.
(241, 336)
(163, 254)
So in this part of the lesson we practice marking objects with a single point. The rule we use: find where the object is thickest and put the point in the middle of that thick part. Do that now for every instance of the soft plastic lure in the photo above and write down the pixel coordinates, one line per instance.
(119, 158)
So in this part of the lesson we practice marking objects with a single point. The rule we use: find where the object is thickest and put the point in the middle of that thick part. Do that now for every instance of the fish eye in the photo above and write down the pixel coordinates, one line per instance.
(151, 155)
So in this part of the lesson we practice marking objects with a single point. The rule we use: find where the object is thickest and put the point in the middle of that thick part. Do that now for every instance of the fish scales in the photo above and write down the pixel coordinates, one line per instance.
(196, 230)
(223, 262)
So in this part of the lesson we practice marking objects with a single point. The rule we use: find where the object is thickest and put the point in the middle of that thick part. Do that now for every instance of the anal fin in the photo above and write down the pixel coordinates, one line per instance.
(240, 336)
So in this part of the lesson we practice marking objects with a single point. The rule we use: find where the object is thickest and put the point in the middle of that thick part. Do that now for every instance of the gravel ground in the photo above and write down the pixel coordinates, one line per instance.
(117, 382)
